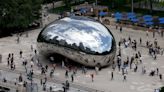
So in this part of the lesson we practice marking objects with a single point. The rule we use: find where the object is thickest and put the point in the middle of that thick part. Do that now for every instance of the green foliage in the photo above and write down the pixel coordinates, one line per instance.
(67, 3)
(18, 13)
(115, 3)
(162, 89)
(59, 10)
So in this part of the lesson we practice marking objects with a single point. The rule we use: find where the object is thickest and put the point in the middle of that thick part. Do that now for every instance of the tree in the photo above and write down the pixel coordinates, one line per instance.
(50, 1)
(18, 14)
(67, 3)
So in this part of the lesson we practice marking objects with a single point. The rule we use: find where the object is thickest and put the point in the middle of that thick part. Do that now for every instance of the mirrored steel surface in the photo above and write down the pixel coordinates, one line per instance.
(79, 38)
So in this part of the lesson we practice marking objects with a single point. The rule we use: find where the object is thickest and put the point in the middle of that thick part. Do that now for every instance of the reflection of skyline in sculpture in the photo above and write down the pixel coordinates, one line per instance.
(92, 35)
(80, 39)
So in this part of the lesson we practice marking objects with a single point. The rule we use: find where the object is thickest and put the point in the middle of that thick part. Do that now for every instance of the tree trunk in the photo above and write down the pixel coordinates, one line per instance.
(151, 6)
(139, 6)
(53, 4)
(145, 2)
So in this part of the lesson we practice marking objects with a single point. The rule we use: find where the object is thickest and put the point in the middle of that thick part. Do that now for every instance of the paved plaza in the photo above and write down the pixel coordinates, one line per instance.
(136, 81)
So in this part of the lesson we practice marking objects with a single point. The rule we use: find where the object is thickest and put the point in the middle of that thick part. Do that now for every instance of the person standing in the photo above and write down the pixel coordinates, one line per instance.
(31, 48)
(116, 26)
(72, 78)
(111, 75)
(162, 33)
(41, 81)
(63, 64)
(92, 77)
(96, 69)
(35, 51)
(136, 67)
(18, 39)
(153, 33)
(157, 71)
(121, 29)
(143, 70)
(124, 77)
(50, 88)
(160, 76)
(147, 33)
(20, 78)
(21, 52)
(140, 40)
(66, 73)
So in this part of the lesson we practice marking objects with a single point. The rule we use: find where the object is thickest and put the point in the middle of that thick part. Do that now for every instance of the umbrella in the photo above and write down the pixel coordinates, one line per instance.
(134, 20)
(149, 23)
(161, 22)
(161, 19)
(117, 14)
(147, 16)
(83, 10)
(102, 13)
(131, 14)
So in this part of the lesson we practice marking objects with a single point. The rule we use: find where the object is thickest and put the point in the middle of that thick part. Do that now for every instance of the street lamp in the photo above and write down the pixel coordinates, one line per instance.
(132, 6)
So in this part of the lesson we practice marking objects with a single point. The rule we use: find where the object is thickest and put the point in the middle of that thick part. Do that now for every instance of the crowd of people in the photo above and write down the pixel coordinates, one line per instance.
(124, 65)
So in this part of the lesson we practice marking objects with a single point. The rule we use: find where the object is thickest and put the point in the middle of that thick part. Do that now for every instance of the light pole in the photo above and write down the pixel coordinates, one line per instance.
(96, 2)
(132, 6)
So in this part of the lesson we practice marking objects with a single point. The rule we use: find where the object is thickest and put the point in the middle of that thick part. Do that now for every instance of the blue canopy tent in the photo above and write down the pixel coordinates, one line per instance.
(149, 23)
(134, 20)
(161, 19)
(161, 22)
(101, 13)
(131, 15)
(118, 16)
(83, 10)
(147, 18)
